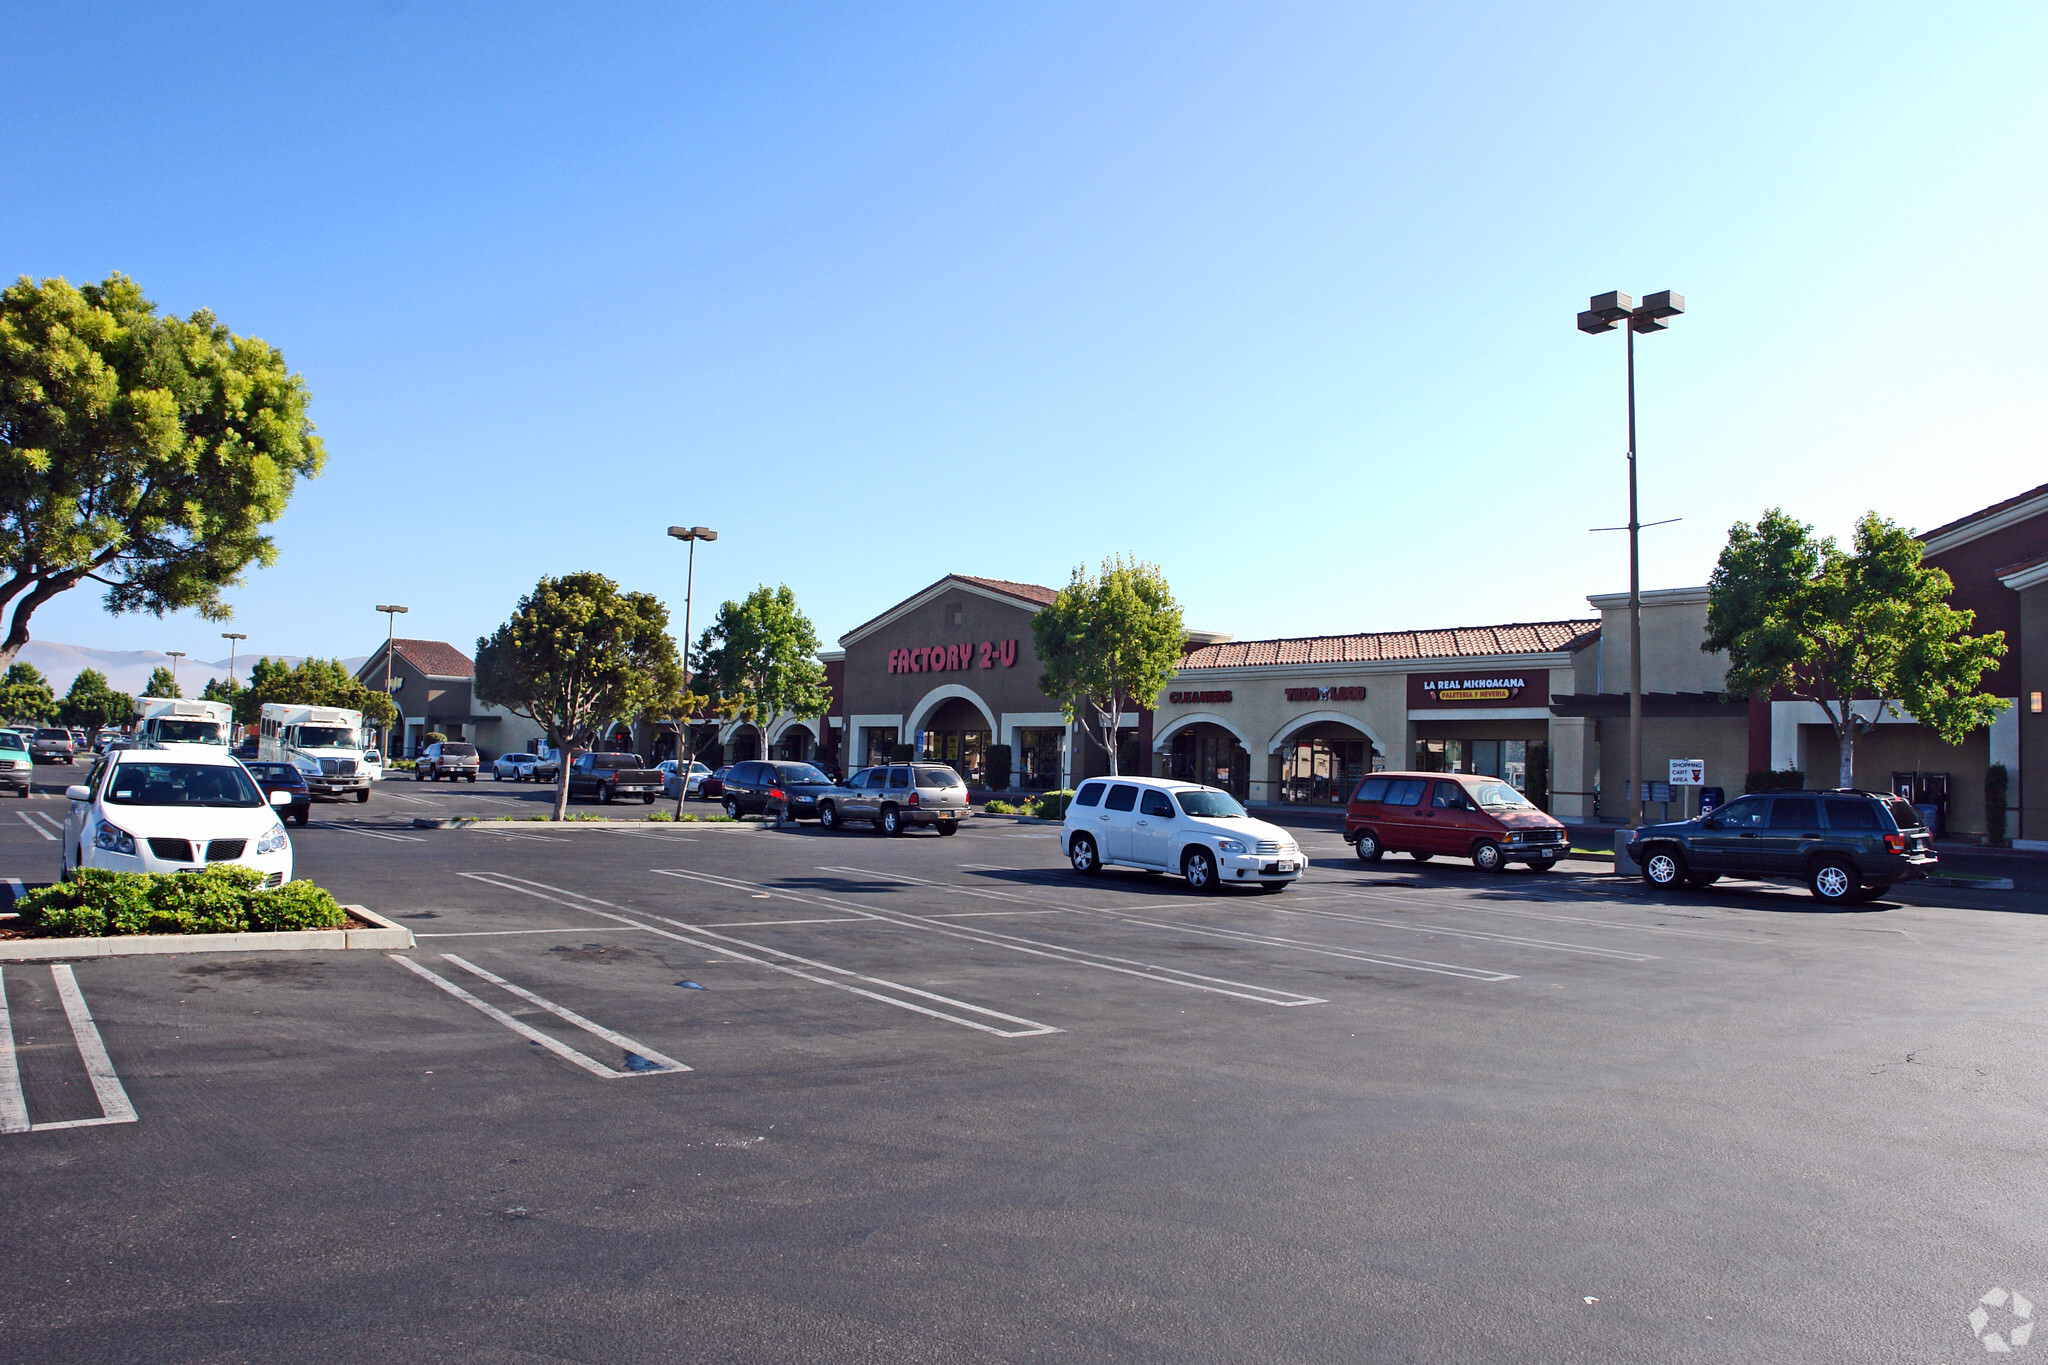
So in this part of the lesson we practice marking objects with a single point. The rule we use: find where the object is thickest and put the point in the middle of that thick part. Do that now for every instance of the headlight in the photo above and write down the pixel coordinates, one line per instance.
(1230, 845)
(273, 842)
(113, 839)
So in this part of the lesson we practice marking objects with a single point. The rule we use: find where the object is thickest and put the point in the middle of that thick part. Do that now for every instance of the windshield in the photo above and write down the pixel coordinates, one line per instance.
(800, 773)
(10, 740)
(1209, 805)
(188, 732)
(1500, 796)
(182, 784)
(326, 737)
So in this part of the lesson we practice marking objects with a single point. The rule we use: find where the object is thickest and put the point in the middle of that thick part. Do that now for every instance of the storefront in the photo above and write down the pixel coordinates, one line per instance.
(951, 675)
(1301, 721)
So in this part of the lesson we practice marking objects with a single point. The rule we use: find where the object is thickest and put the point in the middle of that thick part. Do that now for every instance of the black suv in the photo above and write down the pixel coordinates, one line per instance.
(785, 791)
(1847, 846)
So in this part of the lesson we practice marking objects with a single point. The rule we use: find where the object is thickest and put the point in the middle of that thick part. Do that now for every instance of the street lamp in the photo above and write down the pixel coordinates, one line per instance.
(175, 655)
(692, 534)
(391, 615)
(1603, 314)
(234, 639)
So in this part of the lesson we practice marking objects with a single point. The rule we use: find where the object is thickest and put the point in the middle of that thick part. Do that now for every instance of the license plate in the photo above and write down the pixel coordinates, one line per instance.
(1284, 865)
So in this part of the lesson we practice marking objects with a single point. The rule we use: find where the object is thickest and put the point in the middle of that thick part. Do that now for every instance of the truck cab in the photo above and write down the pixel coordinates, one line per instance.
(173, 720)
(323, 742)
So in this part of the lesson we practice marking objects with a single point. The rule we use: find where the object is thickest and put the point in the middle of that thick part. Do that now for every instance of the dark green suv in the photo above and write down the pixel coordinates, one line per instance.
(1847, 846)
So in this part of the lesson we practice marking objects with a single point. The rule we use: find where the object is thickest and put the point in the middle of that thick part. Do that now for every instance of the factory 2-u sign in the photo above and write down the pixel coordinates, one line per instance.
(948, 658)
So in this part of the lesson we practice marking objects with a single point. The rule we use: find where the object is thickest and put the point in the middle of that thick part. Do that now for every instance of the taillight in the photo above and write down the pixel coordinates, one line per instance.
(912, 799)
(1895, 843)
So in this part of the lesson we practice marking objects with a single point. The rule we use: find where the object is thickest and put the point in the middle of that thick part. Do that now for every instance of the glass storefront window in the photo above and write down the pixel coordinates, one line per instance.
(1322, 771)
(1523, 763)
(1210, 755)
(877, 743)
(1038, 758)
(964, 751)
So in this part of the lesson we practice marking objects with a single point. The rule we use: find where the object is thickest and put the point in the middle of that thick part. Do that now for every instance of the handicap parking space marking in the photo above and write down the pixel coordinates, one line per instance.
(25, 816)
(85, 1034)
(696, 935)
(1415, 964)
(1033, 947)
(659, 1064)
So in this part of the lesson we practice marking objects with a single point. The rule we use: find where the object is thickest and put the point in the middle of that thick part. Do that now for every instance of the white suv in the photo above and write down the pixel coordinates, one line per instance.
(1199, 832)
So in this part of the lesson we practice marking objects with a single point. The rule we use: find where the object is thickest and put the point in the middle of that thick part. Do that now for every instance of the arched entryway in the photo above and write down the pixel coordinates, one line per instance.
(796, 743)
(742, 743)
(957, 733)
(1205, 750)
(1319, 759)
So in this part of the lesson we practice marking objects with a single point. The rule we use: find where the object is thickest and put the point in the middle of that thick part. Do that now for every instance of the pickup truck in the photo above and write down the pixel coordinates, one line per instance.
(608, 776)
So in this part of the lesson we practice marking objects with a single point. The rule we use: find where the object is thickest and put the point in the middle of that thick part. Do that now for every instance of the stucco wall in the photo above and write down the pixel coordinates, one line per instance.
(1674, 623)
(1723, 743)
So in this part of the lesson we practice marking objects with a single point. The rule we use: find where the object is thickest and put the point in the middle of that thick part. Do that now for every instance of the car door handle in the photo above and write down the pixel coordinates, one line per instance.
(1746, 836)
(1141, 822)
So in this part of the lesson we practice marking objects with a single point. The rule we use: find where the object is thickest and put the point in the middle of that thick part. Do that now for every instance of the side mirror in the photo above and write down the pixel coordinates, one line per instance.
(77, 794)
(280, 798)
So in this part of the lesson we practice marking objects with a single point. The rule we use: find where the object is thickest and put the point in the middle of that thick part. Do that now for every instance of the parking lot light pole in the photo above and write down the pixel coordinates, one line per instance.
(1604, 312)
(692, 534)
(391, 615)
(234, 639)
(174, 655)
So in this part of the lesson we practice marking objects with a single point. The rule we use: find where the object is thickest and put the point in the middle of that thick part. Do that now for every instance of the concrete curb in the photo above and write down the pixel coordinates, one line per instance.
(552, 826)
(385, 937)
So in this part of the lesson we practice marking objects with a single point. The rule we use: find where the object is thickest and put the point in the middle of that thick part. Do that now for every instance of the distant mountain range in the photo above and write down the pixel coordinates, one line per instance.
(128, 670)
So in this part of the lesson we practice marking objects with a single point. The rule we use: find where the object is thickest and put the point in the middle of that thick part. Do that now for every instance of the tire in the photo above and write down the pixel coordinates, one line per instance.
(1543, 864)
(1368, 847)
(1081, 853)
(1700, 881)
(604, 795)
(647, 800)
(732, 808)
(1486, 857)
(949, 826)
(301, 818)
(892, 821)
(1664, 869)
(417, 775)
(1833, 882)
(828, 815)
(496, 776)
(1422, 857)
(1866, 894)
(363, 796)
(1198, 870)
(472, 779)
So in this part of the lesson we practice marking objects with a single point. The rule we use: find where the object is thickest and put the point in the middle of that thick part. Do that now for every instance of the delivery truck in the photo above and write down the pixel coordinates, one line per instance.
(323, 742)
(173, 720)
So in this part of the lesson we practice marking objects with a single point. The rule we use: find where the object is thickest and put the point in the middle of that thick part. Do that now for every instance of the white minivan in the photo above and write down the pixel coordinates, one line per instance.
(1200, 832)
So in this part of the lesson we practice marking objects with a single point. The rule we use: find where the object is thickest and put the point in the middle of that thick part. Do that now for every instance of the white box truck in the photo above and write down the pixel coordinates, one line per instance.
(173, 720)
(323, 742)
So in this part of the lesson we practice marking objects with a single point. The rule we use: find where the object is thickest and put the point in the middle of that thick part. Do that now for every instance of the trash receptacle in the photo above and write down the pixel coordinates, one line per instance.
(1930, 816)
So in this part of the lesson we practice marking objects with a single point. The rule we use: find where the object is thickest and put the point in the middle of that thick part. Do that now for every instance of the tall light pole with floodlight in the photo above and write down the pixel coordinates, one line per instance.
(1603, 314)
(174, 655)
(391, 615)
(234, 639)
(692, 534)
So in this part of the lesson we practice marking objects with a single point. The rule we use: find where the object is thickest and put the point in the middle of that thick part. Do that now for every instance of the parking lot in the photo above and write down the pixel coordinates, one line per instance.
(715, 1092)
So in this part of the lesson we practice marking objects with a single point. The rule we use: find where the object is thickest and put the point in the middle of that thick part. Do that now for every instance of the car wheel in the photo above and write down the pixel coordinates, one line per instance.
(1368, 846)
(301, 818)
(732, 808)
(647, 799)
(1198, 869)
(497, 776)
(1664, 869)
(417, 775)
(1081, 853)
(472, 779)
(1486, 857)
(604, 794)
(1544, 864)
(1422, 857)
(949, 826)
(828, 815)
(363, 796)
(892, 820)
(1832, 881)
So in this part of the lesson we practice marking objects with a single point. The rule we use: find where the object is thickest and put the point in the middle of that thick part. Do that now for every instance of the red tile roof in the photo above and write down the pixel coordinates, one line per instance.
(1533, 637)
(435, 658)
(1984, 512)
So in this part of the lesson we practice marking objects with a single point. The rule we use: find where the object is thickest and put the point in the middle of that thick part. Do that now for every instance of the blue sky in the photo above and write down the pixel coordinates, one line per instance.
(1278, 296)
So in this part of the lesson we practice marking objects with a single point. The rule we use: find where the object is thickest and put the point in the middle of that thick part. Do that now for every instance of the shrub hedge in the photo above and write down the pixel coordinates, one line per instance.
(1052, 805)
(224, 899)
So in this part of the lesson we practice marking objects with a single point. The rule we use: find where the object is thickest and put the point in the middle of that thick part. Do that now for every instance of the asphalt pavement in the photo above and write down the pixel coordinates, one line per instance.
(729, 1093)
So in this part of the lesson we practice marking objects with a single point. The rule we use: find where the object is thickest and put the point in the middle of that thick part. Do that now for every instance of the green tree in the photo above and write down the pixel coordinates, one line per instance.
(1860, 632)
(315, 682)
(220, 689)
(161, 684)
(26, 695)
(1109, 643)
(93, 705)
(142, 452)
(576, 655)
(758, 659)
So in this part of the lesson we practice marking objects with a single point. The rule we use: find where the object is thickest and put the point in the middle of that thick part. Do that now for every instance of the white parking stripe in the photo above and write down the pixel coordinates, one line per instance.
(36, 827)
(697, 933)
(618, 1040)
(370, 833)
(106, 1084)
(13, 1107)
(1413, 964)
(527, 1031)
(1033, 947)
(52, 821)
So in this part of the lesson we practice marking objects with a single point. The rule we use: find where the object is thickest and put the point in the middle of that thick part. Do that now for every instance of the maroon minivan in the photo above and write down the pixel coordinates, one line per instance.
(1424, 814)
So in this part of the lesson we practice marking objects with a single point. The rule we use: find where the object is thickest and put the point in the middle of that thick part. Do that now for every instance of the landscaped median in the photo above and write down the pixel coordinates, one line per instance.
(225, 908)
